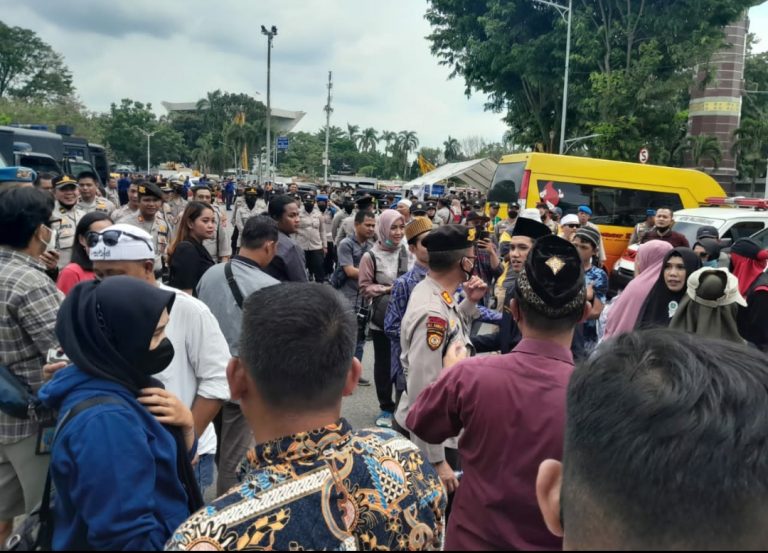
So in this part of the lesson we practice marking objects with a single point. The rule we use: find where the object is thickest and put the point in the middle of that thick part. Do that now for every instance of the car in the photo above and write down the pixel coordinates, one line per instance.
(735, 218)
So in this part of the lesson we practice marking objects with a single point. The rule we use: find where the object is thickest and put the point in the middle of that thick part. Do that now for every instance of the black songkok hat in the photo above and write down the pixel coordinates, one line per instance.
(530, 228)
(364, 202)
(448, 238)
(552, 281)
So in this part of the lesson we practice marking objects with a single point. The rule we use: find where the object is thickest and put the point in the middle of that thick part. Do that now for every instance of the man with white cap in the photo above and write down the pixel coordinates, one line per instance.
(568, 226)
(404, 209)
(197, 373)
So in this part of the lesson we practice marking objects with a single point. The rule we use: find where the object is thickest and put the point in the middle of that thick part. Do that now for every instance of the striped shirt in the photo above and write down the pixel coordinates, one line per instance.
(29, 302)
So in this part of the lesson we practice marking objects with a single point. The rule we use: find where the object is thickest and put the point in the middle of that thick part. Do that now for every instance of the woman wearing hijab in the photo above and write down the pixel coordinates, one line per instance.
(121, 469)
(748, 263)
(710, 306)
(665, 297)
(379, 268)
(625, 310)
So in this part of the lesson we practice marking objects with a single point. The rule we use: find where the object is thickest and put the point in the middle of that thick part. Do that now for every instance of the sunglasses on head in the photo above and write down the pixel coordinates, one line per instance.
(110, 238)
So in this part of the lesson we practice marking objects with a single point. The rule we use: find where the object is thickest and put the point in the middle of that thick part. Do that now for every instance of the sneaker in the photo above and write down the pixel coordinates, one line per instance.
(384, 420)
(363, 382)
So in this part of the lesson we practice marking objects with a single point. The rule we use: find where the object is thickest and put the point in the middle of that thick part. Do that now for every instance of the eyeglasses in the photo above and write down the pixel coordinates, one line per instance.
(111, 238)
(572, 226)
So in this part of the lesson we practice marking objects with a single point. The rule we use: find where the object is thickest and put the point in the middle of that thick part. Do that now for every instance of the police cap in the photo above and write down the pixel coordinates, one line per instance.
(448, 238)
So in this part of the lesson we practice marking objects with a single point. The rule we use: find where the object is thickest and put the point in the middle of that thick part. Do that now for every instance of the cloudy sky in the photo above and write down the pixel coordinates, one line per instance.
(174, 50)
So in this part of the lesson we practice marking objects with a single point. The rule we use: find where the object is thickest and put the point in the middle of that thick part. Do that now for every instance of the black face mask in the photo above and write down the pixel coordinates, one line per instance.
(309, 206)
(250, 200)
(322, 207)
(348, 209)
(158, 359)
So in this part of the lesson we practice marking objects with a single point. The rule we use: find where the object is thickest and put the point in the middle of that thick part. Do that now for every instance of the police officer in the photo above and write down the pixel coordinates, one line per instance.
(88, 183)
(220, 246)
(248, 206)
(176, 204)
(66, 216)
(312, 237)
(435, 325)
(150, 218)
(16, 176)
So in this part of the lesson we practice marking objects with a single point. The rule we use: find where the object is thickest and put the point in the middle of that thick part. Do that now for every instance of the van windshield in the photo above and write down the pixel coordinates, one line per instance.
(621, 207)
(506, 182)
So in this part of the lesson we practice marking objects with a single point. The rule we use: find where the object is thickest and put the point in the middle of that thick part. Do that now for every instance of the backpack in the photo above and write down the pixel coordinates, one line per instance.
(36, 532)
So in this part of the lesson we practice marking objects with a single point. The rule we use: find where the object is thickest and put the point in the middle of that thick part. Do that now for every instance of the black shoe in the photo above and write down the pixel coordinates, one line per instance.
(363, 382)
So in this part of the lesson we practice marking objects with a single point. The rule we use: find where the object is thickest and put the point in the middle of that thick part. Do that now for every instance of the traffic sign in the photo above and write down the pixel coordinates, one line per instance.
(644, 155)
(282, 143)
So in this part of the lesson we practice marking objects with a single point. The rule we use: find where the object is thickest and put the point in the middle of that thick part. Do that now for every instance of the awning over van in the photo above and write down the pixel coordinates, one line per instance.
(476, 173)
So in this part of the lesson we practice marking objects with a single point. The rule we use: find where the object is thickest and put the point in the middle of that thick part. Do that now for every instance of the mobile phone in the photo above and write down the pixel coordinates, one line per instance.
(482, 235)
(56, 355)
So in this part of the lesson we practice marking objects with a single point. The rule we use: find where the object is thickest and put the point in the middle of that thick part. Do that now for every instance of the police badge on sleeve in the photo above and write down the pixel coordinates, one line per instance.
(436, 329)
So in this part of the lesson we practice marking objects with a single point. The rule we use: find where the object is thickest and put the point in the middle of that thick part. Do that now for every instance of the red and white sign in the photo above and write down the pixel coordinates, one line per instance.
(644, 155)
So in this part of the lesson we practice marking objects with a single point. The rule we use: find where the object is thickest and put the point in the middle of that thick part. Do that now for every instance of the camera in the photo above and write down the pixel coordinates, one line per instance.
(56, 355)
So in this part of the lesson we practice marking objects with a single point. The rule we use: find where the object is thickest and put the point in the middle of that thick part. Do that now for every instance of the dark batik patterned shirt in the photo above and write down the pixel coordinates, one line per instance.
(332, 489)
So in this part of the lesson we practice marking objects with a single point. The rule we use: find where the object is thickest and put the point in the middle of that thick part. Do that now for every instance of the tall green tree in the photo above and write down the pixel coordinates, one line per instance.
(388, 137)
(30, 69)
(368, 139)
(703, 148)
(632, 64)
(452, 149)
(751, 149)
(353, 132)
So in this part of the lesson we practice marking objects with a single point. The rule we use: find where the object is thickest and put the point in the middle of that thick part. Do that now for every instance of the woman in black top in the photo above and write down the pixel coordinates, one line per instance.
(188, 259)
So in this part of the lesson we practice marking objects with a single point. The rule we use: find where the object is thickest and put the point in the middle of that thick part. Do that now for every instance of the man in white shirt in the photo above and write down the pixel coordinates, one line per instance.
(197, 373)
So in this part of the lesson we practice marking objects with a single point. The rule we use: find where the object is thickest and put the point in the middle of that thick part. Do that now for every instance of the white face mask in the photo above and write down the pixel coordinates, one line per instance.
(50, 245)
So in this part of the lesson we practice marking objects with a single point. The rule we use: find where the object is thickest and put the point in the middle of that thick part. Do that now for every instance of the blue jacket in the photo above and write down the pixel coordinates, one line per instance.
(113, 468)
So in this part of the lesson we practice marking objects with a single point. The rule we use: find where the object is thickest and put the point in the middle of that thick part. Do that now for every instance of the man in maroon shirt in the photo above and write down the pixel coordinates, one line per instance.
(663, 230)
(511, 408)
(666, 445)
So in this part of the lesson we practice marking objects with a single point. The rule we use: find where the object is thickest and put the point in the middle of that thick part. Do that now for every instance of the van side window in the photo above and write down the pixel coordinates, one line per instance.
(610, 206)
(744, 229)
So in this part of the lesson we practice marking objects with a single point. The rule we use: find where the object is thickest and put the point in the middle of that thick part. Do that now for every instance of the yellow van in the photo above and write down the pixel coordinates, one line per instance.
(618, 193)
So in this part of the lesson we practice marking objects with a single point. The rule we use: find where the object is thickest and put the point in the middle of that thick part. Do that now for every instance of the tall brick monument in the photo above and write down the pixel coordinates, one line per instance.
(715, 109)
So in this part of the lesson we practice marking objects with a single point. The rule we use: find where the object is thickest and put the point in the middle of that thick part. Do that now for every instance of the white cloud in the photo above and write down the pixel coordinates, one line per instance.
(384, 74)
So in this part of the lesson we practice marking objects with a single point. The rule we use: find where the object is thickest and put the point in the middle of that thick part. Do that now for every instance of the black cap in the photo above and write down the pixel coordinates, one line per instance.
(477, 205)
(530, 228)
(364, 202)
(64, 181)
(308, 198)
(418, 208)
(448, 238)
(475, 216)
(495, 205)
(552, 280)
(150, 189)
(431, 205)
(707, 231)
(514, 204)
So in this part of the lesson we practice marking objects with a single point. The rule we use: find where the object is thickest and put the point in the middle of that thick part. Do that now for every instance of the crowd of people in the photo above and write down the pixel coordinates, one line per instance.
(185, 382)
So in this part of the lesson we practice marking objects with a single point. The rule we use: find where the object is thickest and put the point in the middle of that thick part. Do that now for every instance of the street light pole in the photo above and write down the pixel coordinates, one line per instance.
(328, 109)
(149, 136)
(563, 10)
(270, 34)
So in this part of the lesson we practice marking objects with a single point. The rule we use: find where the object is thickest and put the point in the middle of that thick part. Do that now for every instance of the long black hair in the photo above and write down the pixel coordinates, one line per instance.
(79, 255)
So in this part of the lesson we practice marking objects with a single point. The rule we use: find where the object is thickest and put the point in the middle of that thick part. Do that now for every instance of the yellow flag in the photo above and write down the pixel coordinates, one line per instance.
(424, 165)
(244, 158)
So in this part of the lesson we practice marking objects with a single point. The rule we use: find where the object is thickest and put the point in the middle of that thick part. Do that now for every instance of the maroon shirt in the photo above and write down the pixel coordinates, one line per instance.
(675, 238)
(512, 410)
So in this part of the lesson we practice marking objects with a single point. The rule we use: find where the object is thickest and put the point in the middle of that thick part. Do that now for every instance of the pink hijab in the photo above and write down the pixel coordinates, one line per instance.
(624, 314)
(386, 220)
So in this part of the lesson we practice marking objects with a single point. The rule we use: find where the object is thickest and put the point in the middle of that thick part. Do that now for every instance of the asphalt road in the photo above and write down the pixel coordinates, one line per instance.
(362, 407)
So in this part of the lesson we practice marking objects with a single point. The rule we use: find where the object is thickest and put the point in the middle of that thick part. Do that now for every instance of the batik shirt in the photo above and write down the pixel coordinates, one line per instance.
(329, 489)
(598, 279)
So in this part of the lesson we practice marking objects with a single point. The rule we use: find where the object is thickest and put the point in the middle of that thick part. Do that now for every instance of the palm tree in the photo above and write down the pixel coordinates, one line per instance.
(751, 148)
(407, 142)
(701, 148)
(368, 140)
(452, 149)
(388, 137)
(204, 153)
(353, 133)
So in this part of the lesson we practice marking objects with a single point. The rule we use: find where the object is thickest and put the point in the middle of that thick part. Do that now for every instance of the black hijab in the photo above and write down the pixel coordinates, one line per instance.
(105, 328)
(661, 301)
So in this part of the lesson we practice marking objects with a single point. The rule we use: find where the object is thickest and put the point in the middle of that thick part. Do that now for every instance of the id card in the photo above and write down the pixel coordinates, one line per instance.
(45, 433)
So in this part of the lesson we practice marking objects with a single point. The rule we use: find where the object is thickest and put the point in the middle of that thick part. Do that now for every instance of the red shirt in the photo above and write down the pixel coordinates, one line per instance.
(72, 275)
(677, 239)
(512, 411)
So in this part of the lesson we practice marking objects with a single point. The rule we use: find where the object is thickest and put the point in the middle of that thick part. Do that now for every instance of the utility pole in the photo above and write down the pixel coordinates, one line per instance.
(328, 111)
(149, 136)
(270, 34)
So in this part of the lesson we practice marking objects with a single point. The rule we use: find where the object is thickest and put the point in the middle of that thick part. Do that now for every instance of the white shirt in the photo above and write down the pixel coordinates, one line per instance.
(199, 366)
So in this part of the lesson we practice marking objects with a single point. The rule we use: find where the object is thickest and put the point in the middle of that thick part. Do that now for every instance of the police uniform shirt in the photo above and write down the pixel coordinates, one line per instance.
(64, 221)
(158, 228)
(121, 213)
(432, 322)
(311, 234)
(98, 204)
(328, 218)
(113, 196)
(243, 213)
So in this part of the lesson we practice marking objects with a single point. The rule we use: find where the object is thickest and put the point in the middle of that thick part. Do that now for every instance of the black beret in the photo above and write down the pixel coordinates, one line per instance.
(418, 207)
(150, 189)
(530, 228)
(364, 202)
(552, 280)
(448, 238)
